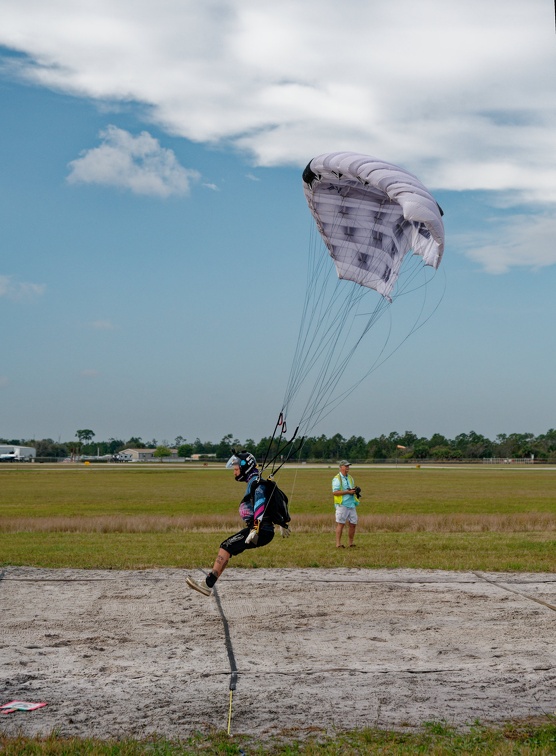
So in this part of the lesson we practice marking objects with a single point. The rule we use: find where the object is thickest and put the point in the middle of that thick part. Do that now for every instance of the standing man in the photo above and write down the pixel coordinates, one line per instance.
(346, 498)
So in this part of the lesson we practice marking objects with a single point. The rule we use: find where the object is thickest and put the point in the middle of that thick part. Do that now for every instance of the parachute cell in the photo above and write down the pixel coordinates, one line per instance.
(370, 214)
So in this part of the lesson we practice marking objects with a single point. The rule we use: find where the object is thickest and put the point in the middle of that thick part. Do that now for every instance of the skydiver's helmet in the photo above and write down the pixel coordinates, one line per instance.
(246, 461)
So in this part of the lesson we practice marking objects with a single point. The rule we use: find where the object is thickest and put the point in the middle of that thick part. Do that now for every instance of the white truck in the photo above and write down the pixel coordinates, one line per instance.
(17, 453)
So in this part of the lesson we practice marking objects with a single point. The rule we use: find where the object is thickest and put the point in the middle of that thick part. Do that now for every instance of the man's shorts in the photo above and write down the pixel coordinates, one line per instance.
(346, 514)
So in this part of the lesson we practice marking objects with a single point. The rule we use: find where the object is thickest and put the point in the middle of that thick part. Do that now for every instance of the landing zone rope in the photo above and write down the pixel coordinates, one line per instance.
(230, 652)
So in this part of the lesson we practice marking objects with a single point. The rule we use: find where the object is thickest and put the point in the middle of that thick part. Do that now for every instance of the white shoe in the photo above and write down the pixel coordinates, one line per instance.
(201, 587)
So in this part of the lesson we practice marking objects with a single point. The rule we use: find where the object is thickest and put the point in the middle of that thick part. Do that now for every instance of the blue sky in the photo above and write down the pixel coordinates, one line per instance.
(154, 233)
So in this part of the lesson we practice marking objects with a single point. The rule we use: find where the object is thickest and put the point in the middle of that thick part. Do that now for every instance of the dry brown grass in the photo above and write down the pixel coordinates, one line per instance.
(524, 522)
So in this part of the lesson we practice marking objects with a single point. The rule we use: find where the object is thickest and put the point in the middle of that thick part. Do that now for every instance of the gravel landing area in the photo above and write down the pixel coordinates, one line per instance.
(128, 654)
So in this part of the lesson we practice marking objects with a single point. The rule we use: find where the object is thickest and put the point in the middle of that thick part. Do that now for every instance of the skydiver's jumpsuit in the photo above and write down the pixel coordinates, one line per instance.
(251, 508)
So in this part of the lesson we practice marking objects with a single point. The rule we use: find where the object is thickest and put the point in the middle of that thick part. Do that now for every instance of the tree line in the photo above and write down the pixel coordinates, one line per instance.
(401, 446)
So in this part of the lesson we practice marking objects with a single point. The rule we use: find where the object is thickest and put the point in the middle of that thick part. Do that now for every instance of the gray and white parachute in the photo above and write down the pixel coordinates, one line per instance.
(384, 232)
(370, 214)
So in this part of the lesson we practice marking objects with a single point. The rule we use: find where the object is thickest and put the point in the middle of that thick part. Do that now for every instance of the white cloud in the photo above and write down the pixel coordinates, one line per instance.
(285, 81)
(137, 163)
(19, 291)
(521, 241)
(461, 94)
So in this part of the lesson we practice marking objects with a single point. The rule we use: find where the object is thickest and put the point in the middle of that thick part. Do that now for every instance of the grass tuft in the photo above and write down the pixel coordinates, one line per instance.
(530, 737)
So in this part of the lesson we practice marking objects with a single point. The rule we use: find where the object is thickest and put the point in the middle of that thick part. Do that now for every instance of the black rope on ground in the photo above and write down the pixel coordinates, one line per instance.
(230, 652)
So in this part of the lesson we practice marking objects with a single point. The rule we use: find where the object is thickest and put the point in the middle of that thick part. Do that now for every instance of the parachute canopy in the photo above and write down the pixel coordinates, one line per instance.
(371, 214)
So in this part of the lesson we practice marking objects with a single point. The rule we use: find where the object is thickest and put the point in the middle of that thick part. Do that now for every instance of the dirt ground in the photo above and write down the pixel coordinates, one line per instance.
(117, 654)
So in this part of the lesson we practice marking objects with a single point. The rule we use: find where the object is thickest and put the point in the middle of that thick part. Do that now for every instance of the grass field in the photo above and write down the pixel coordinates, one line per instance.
(132, 517)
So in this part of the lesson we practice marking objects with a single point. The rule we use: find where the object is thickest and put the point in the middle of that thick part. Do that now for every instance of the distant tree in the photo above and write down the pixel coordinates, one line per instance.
(135, 442)
(46, 447)
(84, 435)
(437, 439)
(336, 448)
(408, 439)
(251, 446)
(204, 447)
(380, 448)
(355, 448)
(162, 451)
(419, 450)
(185, 450)
(224, 448)
(514, 445)
(473, 445)
(445, 452)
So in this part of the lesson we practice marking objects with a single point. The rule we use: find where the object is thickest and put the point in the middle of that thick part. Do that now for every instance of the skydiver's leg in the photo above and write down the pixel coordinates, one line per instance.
(233, 545)
(220, 565)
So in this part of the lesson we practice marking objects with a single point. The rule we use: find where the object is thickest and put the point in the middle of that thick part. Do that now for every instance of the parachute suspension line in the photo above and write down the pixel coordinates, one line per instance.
(321, 326)
(378, 361)
(329, 374)
(280, 422)
(280, 451)
(313, 322)
(323, 349)
(324, 398)
(323, 345)
(312, 280)
(287, 457)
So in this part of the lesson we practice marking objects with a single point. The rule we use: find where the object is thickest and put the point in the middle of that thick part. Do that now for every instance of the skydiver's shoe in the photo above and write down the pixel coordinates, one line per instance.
(201, 587)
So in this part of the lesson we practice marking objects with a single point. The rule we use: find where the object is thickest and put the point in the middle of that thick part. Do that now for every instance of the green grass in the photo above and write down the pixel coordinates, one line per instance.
(132, 517)
(434, 738)
(530, 552)
(63, 490)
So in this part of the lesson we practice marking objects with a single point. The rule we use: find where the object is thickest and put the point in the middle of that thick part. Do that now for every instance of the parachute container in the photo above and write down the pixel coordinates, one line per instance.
(371, 214)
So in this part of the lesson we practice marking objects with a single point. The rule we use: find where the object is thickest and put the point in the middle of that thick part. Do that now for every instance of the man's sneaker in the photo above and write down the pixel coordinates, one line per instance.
(201, 587)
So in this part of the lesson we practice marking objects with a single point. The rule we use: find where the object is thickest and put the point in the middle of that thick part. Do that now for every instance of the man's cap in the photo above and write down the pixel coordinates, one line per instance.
(343, 463)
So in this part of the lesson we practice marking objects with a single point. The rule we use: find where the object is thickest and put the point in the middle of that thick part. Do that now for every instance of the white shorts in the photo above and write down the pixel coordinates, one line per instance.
(346, 514)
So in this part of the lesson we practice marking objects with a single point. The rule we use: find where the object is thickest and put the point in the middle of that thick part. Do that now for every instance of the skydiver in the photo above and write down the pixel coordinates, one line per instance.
(258, 531)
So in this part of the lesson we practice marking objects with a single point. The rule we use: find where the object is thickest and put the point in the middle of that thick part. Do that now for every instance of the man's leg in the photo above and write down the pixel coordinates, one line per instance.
(351, 533)
(339, 531)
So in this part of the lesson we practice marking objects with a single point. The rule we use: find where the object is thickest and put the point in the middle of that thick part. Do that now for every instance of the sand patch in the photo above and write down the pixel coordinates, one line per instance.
(117, 653)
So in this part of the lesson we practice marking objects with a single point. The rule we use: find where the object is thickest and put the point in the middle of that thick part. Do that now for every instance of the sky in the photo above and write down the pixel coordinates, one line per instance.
(154, 235)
